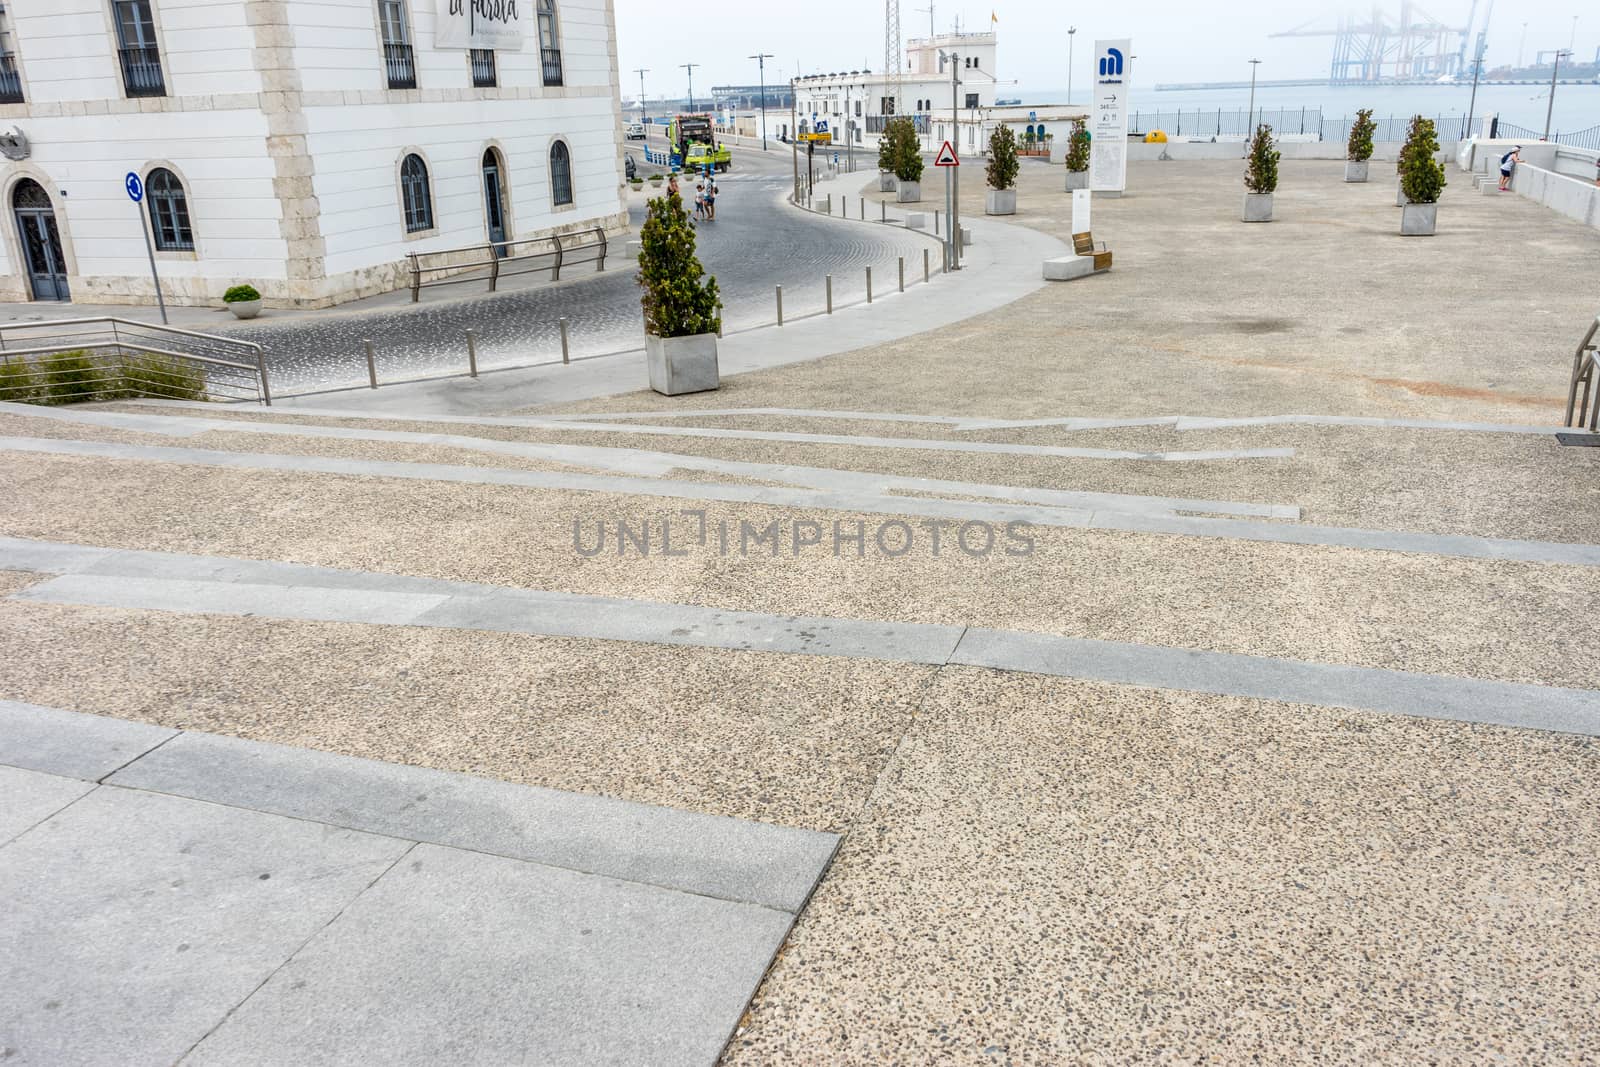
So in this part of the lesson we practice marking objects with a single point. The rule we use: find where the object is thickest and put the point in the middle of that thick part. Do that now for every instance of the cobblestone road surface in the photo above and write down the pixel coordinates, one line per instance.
(754, 245)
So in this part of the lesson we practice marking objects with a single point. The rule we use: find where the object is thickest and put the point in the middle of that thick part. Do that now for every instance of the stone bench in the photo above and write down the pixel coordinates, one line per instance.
(1066, 268)
(917, 220)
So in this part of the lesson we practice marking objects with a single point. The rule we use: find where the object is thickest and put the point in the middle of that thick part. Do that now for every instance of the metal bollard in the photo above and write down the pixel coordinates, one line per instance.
(863, 209)
(565, 356)
(828, 282)
(902, 274)
(884, 204)
(936, 222)
(869, 285)
(472, 353)
(830, 203)
(925, 271)
(372, 364)
(780, 305)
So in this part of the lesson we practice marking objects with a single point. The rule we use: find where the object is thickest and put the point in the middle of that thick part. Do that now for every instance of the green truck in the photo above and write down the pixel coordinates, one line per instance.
(693, 144)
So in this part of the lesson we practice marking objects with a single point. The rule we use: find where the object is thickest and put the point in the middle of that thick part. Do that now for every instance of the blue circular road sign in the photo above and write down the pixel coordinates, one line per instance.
(134, 186)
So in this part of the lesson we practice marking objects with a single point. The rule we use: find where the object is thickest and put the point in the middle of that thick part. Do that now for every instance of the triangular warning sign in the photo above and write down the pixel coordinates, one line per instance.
(946, 157)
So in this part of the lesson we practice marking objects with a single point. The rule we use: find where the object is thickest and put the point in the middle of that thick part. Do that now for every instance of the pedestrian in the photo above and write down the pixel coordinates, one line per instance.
(672, 185)
(1508, 163)
(699, 200)
(711, 201)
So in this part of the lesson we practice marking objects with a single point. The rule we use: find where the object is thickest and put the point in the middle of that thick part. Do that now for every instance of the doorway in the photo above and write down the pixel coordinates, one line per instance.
(41, 241)
(494, 203)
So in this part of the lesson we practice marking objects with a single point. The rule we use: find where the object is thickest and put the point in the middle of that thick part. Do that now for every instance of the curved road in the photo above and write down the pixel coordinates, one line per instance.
(754, 245)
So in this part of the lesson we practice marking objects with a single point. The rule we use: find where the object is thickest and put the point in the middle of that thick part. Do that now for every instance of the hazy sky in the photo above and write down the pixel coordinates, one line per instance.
(1175, 41)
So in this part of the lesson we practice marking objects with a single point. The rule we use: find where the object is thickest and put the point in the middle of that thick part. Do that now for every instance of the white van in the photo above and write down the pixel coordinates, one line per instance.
(635, 131)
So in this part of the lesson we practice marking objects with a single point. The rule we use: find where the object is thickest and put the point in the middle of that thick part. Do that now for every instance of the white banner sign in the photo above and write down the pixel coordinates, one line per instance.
(1108, 150)
(479, 24)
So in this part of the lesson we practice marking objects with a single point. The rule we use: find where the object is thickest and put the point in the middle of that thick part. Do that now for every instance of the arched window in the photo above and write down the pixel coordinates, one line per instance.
(560, 174)
(414, 195)
(169, 211)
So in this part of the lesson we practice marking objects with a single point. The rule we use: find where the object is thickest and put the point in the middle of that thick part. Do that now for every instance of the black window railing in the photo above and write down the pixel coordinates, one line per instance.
(141, 71)
(10, 81)
(483, 73)
(401, 65)
(551, 58)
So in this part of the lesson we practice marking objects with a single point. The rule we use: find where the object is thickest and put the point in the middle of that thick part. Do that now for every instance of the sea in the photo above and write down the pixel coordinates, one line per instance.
(1577, 106)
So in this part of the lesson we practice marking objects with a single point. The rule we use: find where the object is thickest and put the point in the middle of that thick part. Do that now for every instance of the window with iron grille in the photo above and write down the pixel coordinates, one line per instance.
(10, 76)
(560, 174)
(399, 61)
(137, 50)
(483, 72)
(414, 195)
(549, 43)
(169, 211)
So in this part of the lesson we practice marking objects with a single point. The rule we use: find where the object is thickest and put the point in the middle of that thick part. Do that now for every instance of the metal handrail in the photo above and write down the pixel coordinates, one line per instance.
(1583, 370)
(497, 264)
(252, 355)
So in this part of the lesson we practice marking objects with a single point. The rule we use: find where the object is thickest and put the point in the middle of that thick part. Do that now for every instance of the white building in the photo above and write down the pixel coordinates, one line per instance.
(303, 146)
(856, 104)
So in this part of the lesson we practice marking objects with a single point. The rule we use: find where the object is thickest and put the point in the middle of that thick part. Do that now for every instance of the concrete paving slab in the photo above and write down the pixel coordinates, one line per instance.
(458, 957)
(28, 798)
(771, 866)
(234, 598)
(71, 745)
(134, 922)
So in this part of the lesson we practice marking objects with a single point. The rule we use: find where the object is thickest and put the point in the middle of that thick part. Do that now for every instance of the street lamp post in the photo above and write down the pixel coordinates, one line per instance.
(1250, 123)
(690, 68)
(641, 71)
(952, 174)
(1550, 109)
(761, 62)
(794, 138)
(1472, 106)
(1072, 34)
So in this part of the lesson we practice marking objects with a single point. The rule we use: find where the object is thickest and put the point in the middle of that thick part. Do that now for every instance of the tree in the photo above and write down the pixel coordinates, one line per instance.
(677, 303)
(1078, 147)
(886, 148)
(905, 154)
(1421, 176)
(1261, 172)
(1003, 165)
(1359, 148)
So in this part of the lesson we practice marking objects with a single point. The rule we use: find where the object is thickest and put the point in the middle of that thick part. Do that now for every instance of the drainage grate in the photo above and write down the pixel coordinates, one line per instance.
(1579, 440)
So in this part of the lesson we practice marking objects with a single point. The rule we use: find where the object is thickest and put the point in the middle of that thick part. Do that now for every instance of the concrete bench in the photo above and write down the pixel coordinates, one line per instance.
(1084, 261)
(917, 220)
(1083, 244)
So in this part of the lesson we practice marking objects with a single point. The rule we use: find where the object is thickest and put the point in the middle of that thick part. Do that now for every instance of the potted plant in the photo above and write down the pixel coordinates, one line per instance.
(906, 152)
(681, 306)
(1260, 176)
(655, 181)
(1359, 148)
(1001, 198)
(1421, 180)
(886, 178)
(243, 301)
(636, 183)
(1400, 164)
(1078, 156)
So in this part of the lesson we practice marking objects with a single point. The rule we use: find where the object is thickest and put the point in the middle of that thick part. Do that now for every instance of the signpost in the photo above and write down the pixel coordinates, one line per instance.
(1108, 146)
(135, 189)
(947, 158)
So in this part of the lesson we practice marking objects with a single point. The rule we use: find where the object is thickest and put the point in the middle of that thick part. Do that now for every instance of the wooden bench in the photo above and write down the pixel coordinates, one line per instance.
(1583, 373)
(1083, 245)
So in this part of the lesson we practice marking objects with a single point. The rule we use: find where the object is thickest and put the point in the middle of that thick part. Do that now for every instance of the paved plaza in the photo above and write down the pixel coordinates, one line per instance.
(1188, 663)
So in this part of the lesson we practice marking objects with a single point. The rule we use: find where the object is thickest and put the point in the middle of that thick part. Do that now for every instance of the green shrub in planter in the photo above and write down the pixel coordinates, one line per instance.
(1421, 176)
(1359, 148)
(240, 293)
(162, 377)
(905, 152)
(1078, 147)
(677, 302)
(19, 381)
(1261, 170)
(886, 149)
(1411, 132)
(1003, 165)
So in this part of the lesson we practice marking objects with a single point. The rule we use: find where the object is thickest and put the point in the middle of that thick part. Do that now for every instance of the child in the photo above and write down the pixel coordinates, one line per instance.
(1508, 163)
(699, 200)
(711, 201)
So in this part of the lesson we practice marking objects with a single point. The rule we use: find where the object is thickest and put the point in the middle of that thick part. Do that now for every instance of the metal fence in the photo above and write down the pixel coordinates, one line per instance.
(1204, 123)
(506, 259)
(1589, 138)
(74, 360)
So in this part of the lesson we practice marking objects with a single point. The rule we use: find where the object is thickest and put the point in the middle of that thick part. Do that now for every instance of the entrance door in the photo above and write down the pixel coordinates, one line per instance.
(493, 204)
(41, 241)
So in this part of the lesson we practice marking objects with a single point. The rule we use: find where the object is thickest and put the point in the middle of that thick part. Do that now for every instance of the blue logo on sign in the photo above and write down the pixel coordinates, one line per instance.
(1111, 63)
(134, 186)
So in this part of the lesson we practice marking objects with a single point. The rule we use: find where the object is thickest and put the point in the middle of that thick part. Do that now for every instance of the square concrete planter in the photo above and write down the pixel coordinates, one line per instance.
(1418, 220)
(1355, 170)
(886, 182)
(1257, 207)
(1077, 179)
(908, 193)
(1000, 202)
(681, 365)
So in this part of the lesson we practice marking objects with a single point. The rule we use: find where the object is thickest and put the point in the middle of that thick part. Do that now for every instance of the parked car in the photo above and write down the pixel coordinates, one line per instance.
(630, 169)
(635, 131)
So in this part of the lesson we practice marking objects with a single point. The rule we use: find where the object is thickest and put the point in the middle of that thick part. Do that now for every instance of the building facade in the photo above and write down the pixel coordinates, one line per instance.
(303, 146)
